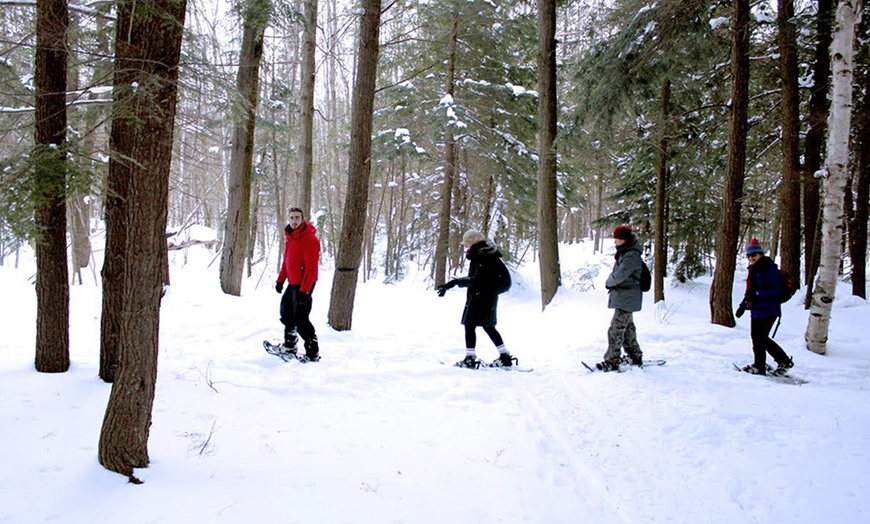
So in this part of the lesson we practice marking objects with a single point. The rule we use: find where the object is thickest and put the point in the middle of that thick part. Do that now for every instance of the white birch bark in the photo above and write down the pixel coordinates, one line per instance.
(837, 163)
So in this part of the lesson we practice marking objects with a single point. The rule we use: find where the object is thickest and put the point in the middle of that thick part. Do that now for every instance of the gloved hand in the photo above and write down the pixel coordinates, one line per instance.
(443, 288)
(279, 287)
(740, 310)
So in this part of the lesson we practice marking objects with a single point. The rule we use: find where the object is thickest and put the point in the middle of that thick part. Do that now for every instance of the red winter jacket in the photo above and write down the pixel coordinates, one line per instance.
(301, 256)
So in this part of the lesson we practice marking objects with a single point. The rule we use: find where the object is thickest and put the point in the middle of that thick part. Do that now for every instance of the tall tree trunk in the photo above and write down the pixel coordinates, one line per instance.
(443, 243)
(347, 262)
(661, 226)
(858, 224)
(548, 235)
(726, 239)
(52, 283)
(306, 110)
(814, 142)
(837, 165)
(237, 227)
(790, 190)
(147, 50)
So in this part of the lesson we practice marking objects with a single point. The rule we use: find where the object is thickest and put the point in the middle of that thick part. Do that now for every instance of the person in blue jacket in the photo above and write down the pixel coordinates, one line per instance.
(762, 300)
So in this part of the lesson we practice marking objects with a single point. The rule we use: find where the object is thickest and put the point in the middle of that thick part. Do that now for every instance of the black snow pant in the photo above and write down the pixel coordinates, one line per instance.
(763, 344)
(295, 308)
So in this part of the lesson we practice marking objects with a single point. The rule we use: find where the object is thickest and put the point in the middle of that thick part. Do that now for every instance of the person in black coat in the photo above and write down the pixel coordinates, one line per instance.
(481, 303)
(762, 300)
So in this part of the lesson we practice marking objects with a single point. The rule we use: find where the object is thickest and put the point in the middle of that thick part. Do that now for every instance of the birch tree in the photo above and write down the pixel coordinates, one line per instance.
(837, 167)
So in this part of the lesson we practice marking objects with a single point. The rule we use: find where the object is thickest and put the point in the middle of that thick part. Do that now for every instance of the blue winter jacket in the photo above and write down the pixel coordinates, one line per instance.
(762, 289)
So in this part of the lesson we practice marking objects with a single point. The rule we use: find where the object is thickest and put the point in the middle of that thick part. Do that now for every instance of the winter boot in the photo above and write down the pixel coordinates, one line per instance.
(783, 367)
(607, 365)
(636, 360)
(312, 350)
(752, 370)
(289, 345)
(470, 362)
(504, 360)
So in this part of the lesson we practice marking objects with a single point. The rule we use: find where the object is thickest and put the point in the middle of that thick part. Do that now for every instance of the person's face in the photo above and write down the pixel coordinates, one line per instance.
(467, 244)
(753, 258)
(295, 219)
(618, 241)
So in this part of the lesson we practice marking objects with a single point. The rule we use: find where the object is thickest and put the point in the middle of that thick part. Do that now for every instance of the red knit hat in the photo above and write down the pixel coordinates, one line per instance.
(622, 232)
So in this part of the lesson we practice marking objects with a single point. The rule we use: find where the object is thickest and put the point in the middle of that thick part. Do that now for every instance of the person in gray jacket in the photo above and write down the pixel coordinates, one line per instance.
(625, 297)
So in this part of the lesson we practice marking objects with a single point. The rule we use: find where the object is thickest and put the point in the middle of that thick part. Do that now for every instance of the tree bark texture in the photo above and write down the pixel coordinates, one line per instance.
(790, 190)
(548, 235)
(442, 247)
(661, 226)
(52, 283)
(727, 237)
(306, 110)
(347, 262)
(235, 247)
(147, 49)
(814, 143)
(837, 165)
(861, 184)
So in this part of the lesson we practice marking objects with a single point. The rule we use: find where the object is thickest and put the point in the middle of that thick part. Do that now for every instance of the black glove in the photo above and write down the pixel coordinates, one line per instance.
(279, 287)
(740, 311)
(442, 289)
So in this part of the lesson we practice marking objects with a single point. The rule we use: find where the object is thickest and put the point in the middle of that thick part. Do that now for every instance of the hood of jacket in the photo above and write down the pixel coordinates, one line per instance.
(483, 247)
(630, 245)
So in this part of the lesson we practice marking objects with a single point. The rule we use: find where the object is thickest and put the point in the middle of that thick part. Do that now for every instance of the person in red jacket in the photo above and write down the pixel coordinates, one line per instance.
(299, 269)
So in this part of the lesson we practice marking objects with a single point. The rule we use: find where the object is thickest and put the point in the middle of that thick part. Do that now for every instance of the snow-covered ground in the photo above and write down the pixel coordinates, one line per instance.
(380, 432)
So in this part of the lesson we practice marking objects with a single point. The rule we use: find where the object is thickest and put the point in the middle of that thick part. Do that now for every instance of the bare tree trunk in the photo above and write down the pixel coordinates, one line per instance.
(814, 142)
(347, 262)
(147, 51)
(235, 246)
(442, 246)
(548, 236)
(52, 273)
(837, 164)
(306, 110)
(726, 240)
(661, 225)
(790, 191)
(858, 225)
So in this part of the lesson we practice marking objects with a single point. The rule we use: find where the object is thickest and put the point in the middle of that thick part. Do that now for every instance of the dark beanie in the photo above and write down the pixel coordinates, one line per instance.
(622, 232)
(754, 247)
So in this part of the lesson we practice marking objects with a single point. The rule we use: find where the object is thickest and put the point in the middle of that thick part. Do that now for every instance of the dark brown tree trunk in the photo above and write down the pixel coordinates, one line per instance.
(147, 50)
(306, 110)
(790, 191)
(238, 222)
(344, 282)
(548, 235)
(661, 225)
(814, 143)
(442, 247)
(861, 183)
(726, 240)
(52, 284)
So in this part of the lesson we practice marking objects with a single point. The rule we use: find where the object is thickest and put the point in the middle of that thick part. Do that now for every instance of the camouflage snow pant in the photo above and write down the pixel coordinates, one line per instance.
(622, 334)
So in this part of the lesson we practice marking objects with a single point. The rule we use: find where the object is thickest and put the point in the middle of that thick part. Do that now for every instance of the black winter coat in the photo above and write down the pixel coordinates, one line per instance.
(481, 302)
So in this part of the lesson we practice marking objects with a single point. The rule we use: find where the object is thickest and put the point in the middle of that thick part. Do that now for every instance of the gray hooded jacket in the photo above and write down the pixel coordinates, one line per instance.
(623, 283)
